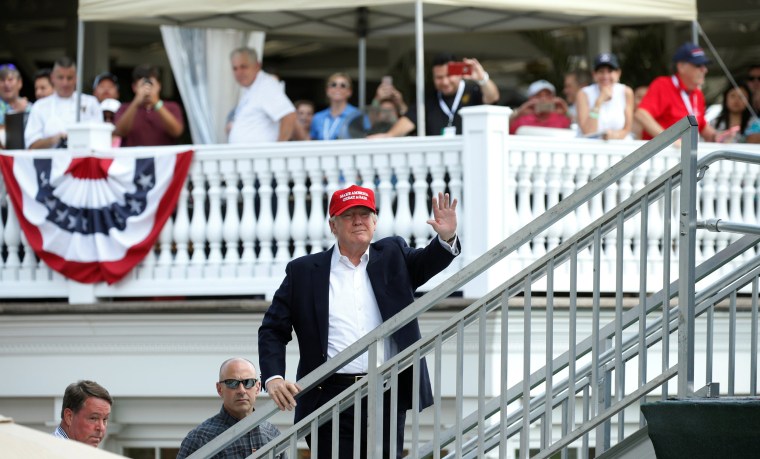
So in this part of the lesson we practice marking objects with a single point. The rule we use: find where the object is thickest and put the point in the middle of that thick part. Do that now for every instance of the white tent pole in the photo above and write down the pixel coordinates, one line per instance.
(80, 66)
(695, 32)
(420, 58)
(362, 73)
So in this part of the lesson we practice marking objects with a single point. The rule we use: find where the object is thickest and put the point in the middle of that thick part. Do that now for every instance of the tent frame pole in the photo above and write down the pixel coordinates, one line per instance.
(420, 61)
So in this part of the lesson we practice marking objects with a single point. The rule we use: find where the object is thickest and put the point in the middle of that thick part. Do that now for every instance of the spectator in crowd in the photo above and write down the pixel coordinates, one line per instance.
(638, 95)
(51, 115)
(43, 86)
(753, 82)
(238, 387)
(10, 89)
(105, 86)
(85, 412)
(452, 92)
(605, 108)
(264, 113)
(735, 122)
(574, 81)
(670, 98)
(333, 298)
(384, 115)
(543, 109)
(148, 120)
(304, 116)
(332, 122)
(386, 91)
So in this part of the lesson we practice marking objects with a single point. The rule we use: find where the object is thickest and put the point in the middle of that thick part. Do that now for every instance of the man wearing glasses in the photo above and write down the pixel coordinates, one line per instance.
(331, 299)
(238, 387)
(670, 98)
(332, 122)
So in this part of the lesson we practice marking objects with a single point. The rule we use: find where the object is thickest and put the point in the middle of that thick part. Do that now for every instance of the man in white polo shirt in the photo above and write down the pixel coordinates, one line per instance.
(264, 113)
(51, 116)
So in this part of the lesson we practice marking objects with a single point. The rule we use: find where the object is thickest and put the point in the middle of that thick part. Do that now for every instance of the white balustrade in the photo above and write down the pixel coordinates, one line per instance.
(244, 213)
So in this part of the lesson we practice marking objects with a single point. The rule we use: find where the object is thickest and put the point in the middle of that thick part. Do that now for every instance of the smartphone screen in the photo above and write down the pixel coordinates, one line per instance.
(544, 107)
(459, 68)
(387, 80)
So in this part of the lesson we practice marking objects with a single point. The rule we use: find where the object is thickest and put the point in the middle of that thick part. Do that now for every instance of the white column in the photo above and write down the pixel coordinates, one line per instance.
(384, 197)
(231, 226)
(198, 221)
(484, 157)
(420, 228)
(248, 219)
(265, 225)
(317, 218)
(402, 223)
(181, 234)
(298, 228)
(282, 219)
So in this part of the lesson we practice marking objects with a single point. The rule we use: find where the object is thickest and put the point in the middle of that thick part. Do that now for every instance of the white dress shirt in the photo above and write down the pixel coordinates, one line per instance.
(53, 115)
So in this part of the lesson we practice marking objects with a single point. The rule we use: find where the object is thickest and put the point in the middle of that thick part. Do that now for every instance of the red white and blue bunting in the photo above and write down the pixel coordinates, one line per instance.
(94, 219)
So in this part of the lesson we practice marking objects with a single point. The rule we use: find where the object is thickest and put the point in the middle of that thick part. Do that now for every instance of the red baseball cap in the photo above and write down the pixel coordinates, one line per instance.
(353, 196)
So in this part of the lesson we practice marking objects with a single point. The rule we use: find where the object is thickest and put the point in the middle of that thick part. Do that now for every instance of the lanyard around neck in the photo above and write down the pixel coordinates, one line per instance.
(330, 128)
(685, 96)
(454, 106)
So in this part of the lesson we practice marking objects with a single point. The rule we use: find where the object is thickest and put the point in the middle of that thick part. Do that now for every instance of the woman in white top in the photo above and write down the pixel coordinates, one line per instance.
(605, 108)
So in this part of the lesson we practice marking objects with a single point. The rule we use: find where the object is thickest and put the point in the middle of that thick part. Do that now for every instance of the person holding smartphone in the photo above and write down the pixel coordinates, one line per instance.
(458, 83)
(543, 109)
(148, 120)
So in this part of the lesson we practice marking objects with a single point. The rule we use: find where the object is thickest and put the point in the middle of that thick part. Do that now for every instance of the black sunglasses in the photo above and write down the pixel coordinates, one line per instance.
(234, 383)
(334, 84)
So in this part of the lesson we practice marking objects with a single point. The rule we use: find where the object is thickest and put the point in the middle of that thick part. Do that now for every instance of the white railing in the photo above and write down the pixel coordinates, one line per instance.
(248, 210)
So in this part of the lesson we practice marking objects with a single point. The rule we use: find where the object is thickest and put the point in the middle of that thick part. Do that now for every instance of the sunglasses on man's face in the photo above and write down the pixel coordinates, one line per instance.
(234, 383)
(336, 84)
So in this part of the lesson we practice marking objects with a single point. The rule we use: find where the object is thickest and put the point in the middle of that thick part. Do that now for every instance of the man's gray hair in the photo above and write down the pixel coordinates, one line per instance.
(250, 52)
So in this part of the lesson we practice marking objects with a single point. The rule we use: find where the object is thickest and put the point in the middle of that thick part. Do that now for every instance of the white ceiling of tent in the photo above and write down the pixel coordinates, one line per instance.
(384, 17)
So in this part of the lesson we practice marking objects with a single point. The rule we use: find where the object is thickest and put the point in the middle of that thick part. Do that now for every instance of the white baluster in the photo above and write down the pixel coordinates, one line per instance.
(181, 236)
(748, 198)
(655, 233)
(299, 226)
(724, 190)
(265, 225)
(437, 172)
(330, 167)
(385, 195)
(231, 225)
(610, 240)
(453, 161)
(248, 219)
(708, 211)
(524, 213)
(569, 223)
(3, 198)
(552, 181)
(282, 218)
(403, 222)
(420, 229)
(639, 177)
(317, 218)
(348, 168)
(214, 225)
(539, 205)
(734, 178)
(12, 243)
(367, 172)
(28, 261)
(164, 262)
(198, 221)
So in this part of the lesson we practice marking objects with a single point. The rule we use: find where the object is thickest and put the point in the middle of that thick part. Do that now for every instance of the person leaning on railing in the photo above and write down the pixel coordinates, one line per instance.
(332, 299)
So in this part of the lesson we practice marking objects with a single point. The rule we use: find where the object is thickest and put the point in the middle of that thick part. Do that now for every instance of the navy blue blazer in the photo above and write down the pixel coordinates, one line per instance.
(301, 303)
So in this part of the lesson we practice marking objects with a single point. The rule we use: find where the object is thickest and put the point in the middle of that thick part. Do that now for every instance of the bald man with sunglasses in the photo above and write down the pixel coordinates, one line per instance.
(238, 386)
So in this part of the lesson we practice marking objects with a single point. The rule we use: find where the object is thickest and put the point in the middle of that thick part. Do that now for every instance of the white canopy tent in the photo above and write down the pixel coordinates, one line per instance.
(362, 18)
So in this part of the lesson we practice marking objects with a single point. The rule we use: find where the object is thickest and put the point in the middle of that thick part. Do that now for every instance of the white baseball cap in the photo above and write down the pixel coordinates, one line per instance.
(540, 85)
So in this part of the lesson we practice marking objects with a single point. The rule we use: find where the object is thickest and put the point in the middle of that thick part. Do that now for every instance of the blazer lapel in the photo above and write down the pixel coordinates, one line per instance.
(320, 281)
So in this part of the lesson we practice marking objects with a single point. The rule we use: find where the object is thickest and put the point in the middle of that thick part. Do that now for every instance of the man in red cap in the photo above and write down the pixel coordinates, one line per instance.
(333, 298)
(670, 98)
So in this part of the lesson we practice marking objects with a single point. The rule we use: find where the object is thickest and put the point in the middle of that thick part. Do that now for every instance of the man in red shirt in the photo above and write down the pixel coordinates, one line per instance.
(670, 98)
(148, 120)
(543, 109)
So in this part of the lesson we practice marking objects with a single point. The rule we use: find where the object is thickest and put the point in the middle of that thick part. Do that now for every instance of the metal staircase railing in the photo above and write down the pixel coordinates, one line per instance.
(503, 402)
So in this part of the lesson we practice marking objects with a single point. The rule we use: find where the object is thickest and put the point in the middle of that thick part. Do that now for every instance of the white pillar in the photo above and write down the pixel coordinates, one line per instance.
(484, 158)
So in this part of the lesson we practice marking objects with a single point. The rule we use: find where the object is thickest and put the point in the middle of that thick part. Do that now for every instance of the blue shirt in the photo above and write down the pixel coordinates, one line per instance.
(215, 425)
(325, 127)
